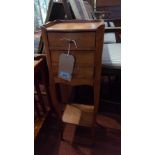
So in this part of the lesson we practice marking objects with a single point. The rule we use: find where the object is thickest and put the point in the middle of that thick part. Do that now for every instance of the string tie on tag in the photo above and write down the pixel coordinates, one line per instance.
(71, 41)
(69, 46)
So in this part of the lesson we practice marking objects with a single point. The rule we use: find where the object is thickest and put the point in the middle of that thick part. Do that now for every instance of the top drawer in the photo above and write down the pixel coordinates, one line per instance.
(60, 40)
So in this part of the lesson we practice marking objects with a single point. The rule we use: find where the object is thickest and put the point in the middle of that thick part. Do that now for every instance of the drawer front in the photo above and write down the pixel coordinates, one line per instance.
(84, 64)
(60, 41)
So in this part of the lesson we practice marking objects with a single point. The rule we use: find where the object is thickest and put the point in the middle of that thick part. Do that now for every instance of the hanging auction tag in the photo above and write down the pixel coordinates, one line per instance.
(66, 65)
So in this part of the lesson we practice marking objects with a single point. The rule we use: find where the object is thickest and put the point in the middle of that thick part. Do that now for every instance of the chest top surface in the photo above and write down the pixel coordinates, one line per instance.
(72, 26)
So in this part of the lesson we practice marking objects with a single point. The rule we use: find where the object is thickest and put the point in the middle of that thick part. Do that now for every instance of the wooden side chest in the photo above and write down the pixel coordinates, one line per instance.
(88, 36)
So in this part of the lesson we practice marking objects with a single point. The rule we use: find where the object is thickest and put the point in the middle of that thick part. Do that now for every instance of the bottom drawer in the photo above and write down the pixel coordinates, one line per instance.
(83, 67)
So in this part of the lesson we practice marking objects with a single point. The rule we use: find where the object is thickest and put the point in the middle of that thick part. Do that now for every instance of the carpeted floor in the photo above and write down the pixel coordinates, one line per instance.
(77, 140)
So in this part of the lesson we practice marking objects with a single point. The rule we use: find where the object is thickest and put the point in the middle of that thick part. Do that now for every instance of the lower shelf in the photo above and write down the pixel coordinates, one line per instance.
(78, 114)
